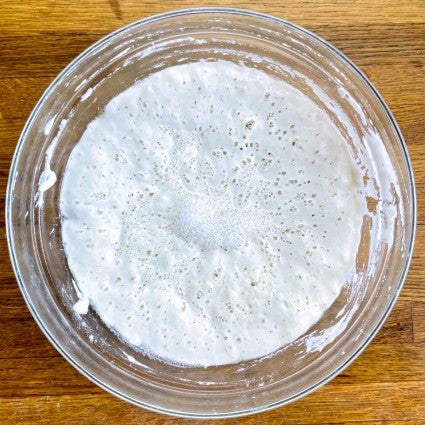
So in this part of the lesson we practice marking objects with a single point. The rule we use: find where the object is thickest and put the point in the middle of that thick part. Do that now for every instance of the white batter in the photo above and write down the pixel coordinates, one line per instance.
(211, 214)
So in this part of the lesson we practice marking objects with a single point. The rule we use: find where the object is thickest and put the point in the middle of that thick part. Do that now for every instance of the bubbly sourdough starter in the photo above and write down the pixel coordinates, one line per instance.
(211, 213)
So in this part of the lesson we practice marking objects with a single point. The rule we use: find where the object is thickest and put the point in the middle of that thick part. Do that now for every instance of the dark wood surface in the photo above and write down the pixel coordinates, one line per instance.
(386, 39)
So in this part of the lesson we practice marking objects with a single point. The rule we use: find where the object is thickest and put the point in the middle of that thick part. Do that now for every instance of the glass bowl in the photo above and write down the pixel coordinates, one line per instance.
(76, 97)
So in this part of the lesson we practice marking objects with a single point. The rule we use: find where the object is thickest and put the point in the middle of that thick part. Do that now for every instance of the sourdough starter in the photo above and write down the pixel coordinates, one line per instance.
(211, 214)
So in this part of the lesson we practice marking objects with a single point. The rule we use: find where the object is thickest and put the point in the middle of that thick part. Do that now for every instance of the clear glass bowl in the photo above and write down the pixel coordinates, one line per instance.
(285, 51)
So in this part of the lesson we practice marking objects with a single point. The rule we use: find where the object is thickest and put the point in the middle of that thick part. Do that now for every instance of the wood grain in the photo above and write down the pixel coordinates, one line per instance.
(386, 39)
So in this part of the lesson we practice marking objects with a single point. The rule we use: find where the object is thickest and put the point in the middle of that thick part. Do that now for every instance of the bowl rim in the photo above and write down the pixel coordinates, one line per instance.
(225, 11)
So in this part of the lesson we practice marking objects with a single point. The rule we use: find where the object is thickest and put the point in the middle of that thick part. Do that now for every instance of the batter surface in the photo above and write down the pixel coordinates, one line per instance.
(211, 213)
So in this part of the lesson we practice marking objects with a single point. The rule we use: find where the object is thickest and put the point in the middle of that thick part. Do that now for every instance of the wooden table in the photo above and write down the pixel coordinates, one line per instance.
(386, 38)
